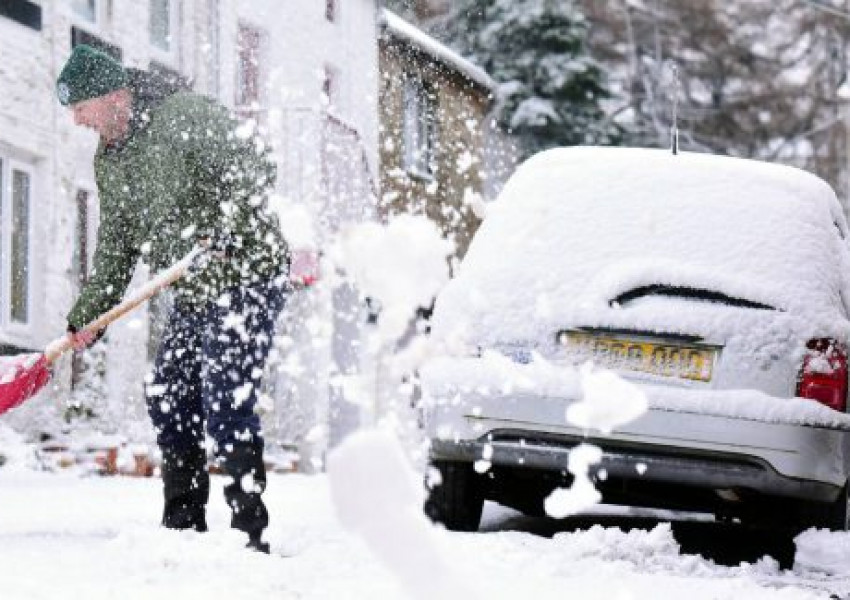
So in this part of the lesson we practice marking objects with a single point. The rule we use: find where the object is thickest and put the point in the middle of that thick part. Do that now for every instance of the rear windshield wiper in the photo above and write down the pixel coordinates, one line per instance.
(686, 292)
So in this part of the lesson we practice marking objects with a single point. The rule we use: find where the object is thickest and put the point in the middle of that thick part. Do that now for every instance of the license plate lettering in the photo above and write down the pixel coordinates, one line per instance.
(667, 360)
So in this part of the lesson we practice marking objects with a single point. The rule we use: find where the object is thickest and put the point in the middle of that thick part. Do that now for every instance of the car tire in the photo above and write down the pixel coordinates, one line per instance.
(458, 500)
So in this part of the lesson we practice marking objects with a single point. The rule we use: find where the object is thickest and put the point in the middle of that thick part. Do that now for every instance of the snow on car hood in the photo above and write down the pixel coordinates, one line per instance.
(575, 228)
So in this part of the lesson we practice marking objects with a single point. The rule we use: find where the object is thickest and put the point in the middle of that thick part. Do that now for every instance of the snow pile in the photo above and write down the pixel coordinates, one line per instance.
(608, 401)
(824, 551)
(376, 496)
(402, 265)
(646, 550)
(99, 538)
(577, 227)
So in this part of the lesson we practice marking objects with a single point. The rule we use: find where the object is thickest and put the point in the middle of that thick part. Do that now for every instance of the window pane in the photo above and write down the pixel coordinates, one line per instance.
(419, 127)
(86, 9)
(20, 246)
(411, 117)
(161, 24)
(214, 43)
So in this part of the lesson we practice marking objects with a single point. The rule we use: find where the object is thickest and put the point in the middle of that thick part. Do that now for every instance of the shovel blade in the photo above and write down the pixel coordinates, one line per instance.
(21, 378)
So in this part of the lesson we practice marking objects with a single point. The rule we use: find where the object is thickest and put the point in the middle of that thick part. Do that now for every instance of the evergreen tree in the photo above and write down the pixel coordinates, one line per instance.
(551, 91)
(756, 78)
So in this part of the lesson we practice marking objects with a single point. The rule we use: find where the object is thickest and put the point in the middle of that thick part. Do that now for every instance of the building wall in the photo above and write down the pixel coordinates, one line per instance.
(462, 108)
(299, 45)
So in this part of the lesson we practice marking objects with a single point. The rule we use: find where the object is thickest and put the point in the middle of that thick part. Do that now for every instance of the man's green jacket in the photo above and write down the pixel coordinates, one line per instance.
(185, 172)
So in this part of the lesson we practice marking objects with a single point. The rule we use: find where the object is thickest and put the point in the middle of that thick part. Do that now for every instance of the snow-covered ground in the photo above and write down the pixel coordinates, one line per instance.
(66, 535)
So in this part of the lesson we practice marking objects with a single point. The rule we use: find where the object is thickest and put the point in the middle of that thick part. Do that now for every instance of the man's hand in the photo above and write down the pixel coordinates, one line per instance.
(80, 340)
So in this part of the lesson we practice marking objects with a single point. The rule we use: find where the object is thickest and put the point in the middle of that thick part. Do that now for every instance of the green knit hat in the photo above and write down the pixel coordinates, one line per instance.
(89, 73)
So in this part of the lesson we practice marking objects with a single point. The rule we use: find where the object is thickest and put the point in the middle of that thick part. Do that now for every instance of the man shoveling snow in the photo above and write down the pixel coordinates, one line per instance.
(173, 170)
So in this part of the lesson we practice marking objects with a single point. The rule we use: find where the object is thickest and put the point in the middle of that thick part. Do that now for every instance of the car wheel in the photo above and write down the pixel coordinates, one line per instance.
(457, 501)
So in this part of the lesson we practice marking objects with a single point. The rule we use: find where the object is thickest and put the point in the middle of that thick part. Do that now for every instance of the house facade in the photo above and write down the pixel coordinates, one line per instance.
(304, 72)
(435, 127)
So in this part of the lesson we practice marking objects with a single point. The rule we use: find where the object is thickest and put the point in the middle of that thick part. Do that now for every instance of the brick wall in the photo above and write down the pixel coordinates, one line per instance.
(462, 109)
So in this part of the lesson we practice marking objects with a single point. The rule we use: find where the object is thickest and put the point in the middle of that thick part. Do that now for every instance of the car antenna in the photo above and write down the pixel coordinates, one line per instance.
(674, 129)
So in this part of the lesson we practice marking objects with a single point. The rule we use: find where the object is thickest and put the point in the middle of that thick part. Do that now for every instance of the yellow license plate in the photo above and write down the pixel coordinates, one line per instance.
(663, 359)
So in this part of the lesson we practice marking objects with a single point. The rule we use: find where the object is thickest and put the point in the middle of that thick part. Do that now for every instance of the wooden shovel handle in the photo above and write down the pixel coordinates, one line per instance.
(161, 281)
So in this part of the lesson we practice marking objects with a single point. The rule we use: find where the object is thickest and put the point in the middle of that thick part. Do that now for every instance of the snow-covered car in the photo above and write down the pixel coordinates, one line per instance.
(719, 288)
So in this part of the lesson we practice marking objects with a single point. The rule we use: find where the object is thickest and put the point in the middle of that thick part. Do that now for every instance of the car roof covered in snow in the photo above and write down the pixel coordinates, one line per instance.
(582, 226)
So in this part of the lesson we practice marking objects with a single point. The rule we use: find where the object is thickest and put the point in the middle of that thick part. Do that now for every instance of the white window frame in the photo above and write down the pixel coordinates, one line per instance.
(167, 56)
(419, 128)
(9, 166)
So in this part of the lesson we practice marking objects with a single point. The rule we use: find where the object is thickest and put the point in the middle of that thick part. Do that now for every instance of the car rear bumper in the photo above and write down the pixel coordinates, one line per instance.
(718, 472)
(692, 449)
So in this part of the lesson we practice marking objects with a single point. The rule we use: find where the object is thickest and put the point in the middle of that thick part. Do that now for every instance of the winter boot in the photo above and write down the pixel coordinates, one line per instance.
(243, 463)
(186, 486)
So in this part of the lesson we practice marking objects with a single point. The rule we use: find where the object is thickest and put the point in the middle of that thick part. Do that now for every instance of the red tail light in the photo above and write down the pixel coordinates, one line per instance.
(823, 377)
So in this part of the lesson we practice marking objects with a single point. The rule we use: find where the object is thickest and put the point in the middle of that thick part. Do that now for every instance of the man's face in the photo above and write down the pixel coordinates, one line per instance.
(109, 115)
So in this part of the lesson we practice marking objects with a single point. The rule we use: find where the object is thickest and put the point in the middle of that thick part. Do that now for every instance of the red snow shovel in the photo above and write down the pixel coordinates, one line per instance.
(21, 377)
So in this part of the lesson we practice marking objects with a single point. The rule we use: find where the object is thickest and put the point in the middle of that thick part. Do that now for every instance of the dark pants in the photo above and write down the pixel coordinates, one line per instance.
(208, 369)
(207, 374)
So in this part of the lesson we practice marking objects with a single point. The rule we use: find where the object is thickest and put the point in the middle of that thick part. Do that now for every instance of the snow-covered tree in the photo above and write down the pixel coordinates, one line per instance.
(756, 78)
(551, 89)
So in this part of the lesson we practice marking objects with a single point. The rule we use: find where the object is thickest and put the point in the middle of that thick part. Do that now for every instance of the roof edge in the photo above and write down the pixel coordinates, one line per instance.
(397, 27)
